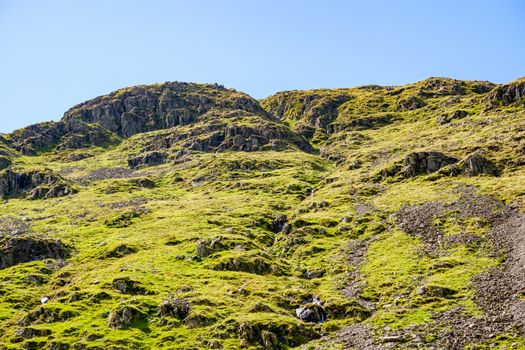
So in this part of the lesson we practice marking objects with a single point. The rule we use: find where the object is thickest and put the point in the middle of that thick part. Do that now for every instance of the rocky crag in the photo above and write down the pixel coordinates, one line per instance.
(191, 216)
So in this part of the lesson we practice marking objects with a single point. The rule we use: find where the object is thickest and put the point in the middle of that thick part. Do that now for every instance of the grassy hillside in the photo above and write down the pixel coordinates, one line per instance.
(184, 216)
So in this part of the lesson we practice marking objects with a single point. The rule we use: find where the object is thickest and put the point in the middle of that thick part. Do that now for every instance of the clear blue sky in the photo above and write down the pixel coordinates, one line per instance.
(55, 54)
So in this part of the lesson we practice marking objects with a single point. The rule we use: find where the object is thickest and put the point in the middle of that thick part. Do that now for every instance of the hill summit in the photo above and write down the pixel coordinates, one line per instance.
(192, 216)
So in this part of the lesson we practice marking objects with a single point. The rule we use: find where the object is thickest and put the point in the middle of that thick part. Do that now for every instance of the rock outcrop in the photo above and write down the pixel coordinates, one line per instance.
(60, 135)
(143, 108)
(34, 184)
(476, 164)
(425, 163)
(507, 94)
(16, 250)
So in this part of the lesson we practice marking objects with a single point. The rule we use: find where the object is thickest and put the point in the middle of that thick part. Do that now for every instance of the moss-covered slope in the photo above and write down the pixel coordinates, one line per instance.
(363, 218)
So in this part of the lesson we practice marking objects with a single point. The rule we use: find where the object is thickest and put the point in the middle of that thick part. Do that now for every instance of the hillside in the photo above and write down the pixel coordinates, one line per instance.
(191, 216)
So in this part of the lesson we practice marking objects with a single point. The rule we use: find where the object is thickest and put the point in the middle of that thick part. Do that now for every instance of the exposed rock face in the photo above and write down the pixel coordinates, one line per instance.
(25, 248)
(33, 184)
(124, 317)
(425, 163)
(139, 109)
(507, 94)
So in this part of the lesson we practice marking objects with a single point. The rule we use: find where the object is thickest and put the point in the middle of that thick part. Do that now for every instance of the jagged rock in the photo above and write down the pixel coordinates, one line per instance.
(25, 248)
(177, 308)
(34, 184)
(126, 285)
(46, 314)
(425, 163)
(507, 94)
(124, 317)
(148, 159)
(410, 103)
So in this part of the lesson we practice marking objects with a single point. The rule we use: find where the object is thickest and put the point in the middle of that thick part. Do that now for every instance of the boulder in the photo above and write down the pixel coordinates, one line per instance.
(425, 163)
(476, 164)
(206, 247)
(311, 311)
(173, 307)
(16, 250)
(436, 291)
(125, 316)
